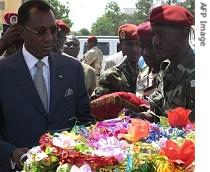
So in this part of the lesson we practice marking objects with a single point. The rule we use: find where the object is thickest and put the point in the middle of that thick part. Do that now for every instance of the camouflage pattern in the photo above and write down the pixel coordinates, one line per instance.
(176, 85)
(146, 83)
(118, 78)
(94, 57)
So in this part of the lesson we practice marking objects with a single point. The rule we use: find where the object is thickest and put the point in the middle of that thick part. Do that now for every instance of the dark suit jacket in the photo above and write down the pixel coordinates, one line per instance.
(23, 118)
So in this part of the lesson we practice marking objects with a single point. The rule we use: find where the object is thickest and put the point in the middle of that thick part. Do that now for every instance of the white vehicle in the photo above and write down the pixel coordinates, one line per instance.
(107, 44)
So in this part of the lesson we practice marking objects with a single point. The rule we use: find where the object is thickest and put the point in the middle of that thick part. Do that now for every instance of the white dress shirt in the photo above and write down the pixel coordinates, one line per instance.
(31, 62)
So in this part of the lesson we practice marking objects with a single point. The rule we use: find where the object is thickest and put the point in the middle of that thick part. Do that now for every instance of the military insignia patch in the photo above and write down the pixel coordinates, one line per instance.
(122, 35)
(192, 83)
(10, 18)
(13, 19)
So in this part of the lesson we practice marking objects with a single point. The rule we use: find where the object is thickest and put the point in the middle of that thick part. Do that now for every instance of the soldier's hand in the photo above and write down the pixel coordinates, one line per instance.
(144, 115)
(11, 36)
(16, 156)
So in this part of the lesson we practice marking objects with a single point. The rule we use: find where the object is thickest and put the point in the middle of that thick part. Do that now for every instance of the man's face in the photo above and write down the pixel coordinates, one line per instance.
(39, 33)
(131, 49)
(61, 37)
(166, 41)
(149, 54)
(71, 47)
(90, 45)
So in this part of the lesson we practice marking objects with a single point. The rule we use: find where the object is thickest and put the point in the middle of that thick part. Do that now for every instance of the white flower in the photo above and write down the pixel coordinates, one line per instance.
(40, 156)
(64, 141)
(83, 168)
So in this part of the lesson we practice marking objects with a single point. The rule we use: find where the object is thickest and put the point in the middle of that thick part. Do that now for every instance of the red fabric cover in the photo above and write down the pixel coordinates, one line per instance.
(144, 31)
(109, 105)
(62, 25)
(128, 32)
(184, 154)
(171, 15)
(178, 117)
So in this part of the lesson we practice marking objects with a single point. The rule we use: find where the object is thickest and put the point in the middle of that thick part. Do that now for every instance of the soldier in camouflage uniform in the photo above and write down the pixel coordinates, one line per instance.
(170, 28)
(122, 77)
(146, 80)
(93, 56)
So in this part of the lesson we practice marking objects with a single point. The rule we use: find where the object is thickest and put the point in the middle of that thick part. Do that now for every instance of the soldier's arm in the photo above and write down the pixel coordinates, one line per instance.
(91, 80)
(109, 64)
(108, 83)
(90, 57)
(10, 37)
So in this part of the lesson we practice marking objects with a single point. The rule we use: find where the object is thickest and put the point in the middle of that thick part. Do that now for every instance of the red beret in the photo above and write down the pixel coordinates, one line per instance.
(128, 32)
(63, 26)
(144, 31)
(10, 18)
(92, 39)
(171, 15)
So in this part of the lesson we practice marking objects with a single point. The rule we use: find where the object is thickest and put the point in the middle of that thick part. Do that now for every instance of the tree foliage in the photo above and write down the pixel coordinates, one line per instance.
(142, 12)
(83, 31)
(61, 11)
(108, 23)
(190, 5)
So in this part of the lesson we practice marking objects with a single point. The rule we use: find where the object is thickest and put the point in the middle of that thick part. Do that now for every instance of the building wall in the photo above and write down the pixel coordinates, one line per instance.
(10, 6)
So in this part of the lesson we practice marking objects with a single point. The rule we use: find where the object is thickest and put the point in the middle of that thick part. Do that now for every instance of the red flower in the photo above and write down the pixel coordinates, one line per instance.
(178, 117)
(184, 154)
(45, 140)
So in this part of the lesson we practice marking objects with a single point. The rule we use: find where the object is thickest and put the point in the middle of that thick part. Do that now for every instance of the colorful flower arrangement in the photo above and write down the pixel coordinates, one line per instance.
(122, 144)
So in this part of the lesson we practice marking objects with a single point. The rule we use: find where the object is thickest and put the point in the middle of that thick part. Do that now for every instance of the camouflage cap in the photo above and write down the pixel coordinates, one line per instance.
(128, 32)
(10, 18)
(171, 15)
(62, 25)
(144, 31)
(92, 38)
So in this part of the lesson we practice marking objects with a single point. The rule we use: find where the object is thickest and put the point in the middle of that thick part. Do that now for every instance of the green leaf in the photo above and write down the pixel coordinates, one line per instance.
(164, 121)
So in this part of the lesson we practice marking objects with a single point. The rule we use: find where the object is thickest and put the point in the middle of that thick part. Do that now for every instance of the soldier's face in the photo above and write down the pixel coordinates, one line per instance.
(59, 42)
(166, 41)
(149, 54)
(131, 48)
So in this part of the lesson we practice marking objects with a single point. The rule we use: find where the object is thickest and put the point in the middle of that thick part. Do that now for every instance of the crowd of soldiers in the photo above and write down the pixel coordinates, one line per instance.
(167, 80)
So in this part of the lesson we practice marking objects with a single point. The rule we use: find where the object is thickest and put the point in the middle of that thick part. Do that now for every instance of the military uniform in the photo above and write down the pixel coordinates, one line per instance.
(146, 82)
(176, 84)
(118, 78)
(94, 57)
(113, 60)
(90, 78)
(177, 77)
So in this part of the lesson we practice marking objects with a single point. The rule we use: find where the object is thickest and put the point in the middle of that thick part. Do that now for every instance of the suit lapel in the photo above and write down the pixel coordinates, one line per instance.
(57, 82)
(23, 79)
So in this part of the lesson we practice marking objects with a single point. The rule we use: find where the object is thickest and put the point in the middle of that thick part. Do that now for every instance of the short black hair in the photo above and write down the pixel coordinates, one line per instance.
(24, 10)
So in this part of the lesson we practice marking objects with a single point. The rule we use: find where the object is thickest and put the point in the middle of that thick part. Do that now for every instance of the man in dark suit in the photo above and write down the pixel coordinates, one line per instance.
(34, 99)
